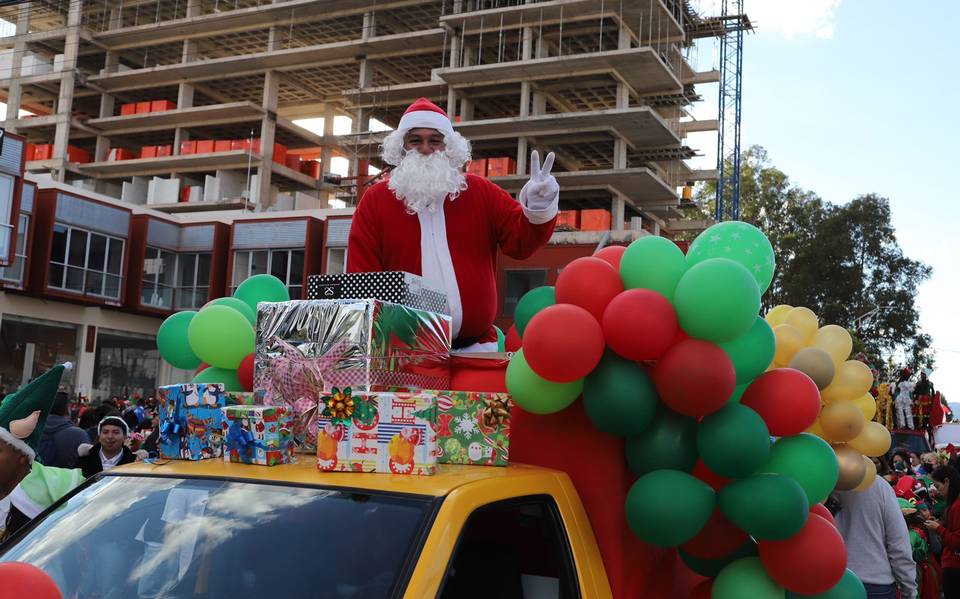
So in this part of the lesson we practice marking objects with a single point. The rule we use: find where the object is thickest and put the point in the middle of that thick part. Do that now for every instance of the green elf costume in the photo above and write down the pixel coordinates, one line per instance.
(26, 486)
(929, 574)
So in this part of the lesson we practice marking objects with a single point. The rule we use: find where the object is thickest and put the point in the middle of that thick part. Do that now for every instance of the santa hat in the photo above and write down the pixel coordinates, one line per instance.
(24, 414)
(425, 114)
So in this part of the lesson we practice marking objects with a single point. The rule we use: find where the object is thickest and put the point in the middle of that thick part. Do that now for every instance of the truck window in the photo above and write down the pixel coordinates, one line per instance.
(514, 549)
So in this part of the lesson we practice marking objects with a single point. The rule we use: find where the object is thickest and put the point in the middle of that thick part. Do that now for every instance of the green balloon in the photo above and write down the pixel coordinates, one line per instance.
(262, 288)
(220, 375)
(769, 507)
(619, 396)
(501, 340)
(221, 336)
(752, 352)
(711, 567)
(653, 262)
(746, 577)
(738, 241)
(738, 393)
(532, 302)
(807, 459)
(849, 587)
(173, 343)
(717, 300)
(535, 394)
(669, 443)
(668, 522)
(238, 305)
(734, 441)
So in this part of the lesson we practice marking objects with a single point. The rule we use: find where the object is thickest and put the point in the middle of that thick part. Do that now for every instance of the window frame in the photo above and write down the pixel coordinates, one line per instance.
(156, 253)
(179, 289)
(86, 269)
(249, 252)
(330, 251)
(555, 520)
(23, 227)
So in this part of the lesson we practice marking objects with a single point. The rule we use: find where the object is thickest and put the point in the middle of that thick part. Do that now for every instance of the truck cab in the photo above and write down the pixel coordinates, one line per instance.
(212, 529)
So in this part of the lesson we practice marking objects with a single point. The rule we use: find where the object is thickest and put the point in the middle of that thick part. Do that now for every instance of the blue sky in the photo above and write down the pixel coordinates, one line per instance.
(852, 97)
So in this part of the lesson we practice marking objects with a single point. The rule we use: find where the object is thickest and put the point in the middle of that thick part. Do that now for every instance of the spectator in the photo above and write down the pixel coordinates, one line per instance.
(901, 463)
(103, 410)
(878, 543)
(947, 482)
(60, 440)
(110, 449)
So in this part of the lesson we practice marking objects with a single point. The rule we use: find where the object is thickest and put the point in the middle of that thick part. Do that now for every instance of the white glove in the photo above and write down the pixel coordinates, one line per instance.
(541, 194)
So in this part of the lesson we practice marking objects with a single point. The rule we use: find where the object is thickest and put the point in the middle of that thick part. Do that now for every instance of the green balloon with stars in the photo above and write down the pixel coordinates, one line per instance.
(740, 242)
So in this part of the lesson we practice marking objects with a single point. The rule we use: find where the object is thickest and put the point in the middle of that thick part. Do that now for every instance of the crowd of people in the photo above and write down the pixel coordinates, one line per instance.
(903, 532)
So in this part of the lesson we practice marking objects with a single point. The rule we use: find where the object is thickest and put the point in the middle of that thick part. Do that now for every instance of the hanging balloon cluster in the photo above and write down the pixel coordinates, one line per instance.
(848, 406)
(218, 341)
(668, 352)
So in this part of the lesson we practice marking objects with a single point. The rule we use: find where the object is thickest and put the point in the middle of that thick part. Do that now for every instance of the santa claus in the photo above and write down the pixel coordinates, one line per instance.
(432, 219)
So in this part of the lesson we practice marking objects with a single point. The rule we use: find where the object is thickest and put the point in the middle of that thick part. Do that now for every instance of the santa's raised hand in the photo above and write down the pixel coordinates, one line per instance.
(540, 196)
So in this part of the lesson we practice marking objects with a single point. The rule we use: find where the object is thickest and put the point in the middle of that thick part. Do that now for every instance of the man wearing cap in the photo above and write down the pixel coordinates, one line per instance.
(110, 449)
(432, 219)
(26, 486)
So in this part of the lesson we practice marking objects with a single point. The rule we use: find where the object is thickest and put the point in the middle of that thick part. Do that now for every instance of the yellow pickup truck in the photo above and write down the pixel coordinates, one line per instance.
(219, 530)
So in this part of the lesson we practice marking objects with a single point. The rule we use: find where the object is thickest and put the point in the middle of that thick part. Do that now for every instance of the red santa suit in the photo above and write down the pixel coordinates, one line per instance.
(453, 247)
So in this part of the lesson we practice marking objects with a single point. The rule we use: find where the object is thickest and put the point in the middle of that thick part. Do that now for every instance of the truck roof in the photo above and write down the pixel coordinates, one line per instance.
(305, 473)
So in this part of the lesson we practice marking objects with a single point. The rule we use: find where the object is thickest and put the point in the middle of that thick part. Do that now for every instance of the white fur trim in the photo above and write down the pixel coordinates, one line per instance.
(428, 119)
(436, 265)
(27, 506)
(68, 365)
(18, 444)
(485, 347)
(538, 216)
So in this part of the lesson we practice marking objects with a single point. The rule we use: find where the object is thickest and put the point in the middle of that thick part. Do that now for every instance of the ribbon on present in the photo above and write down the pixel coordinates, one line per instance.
(242, 440)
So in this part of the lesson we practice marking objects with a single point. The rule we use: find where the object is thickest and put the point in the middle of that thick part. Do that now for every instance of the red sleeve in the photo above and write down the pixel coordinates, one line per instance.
(516, 236)
(951, 532)
(363, 247)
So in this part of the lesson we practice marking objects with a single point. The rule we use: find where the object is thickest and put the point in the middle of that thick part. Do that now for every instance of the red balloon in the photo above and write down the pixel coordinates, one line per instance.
(512, 341)
(703, 590)
(719, 537)
(695, 377)
(787, 400)
(203, 366)
(245, 372)
(612, 254)
(822, 511)
(19, 580)
(589, 283)
(808, 563)
(710, 477)
(640, 324)
(563, 343)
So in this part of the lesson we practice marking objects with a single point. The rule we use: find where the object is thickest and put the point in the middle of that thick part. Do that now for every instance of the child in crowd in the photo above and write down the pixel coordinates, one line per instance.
(929, 575)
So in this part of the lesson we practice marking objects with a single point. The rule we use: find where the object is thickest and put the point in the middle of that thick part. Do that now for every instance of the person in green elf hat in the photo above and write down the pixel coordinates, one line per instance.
(928, 569)
(31, 487)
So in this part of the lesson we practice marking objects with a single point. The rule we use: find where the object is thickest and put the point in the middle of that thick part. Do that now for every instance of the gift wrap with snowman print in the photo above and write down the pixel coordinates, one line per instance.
(473, 428)
(392, 433)
(191, 421)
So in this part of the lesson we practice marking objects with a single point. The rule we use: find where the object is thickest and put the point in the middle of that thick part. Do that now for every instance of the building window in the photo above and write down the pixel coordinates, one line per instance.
(513, 548)
(518, 282)
(86, 262)
(14, 272)
(336, 261)
(193, 288)
(7, 185)
(29, 347)
(125, 365)
(159, 278)
(286, 265)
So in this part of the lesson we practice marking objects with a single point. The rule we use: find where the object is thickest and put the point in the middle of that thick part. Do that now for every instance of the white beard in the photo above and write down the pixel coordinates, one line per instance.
(424, 181)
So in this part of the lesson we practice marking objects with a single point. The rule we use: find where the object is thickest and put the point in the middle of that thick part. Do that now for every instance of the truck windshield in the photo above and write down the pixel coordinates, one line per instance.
(133, 536)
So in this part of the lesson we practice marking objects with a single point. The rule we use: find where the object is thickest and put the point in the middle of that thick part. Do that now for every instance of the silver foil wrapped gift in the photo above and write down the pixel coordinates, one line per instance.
(305, 348)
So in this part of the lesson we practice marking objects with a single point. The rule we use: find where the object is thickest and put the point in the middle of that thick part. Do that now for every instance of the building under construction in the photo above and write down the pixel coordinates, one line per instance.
(182, 115)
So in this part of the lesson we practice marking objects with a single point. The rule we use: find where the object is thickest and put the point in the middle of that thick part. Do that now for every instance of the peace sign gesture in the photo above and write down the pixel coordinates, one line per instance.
(542, 189)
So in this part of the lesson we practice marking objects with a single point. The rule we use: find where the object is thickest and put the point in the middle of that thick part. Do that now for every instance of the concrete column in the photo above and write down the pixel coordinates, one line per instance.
(107, 101)
(523, 143)
(617, 213)
(85, 359)
(185, 90)
(268, 127)
(618, 208)
(15, 93)
(361, 118)
(326, 154)
(68, 80)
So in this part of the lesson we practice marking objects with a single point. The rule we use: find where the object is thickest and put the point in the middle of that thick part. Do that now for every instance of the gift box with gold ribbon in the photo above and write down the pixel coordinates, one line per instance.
(473, 428)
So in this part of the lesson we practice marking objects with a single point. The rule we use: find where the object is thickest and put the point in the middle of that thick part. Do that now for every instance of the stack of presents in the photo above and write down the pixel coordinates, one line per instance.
(362, 384)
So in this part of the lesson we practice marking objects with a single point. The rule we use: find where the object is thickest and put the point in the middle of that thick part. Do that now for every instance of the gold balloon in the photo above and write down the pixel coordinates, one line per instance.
(852, 468)
(841, 421)
(816, 364)
(804, 320)
(867, 405)
(776, 315)
(789, 342)
(835, 340)
(873, 440)
(816, 429)
(851, 380)
(869, 477)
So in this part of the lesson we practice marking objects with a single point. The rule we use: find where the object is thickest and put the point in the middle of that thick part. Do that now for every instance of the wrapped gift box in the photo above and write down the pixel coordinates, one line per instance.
(244, 398)
(394, 286)
(393, 433)
(305, 348)
(258, 435)
(473, 428)
(191, 421)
